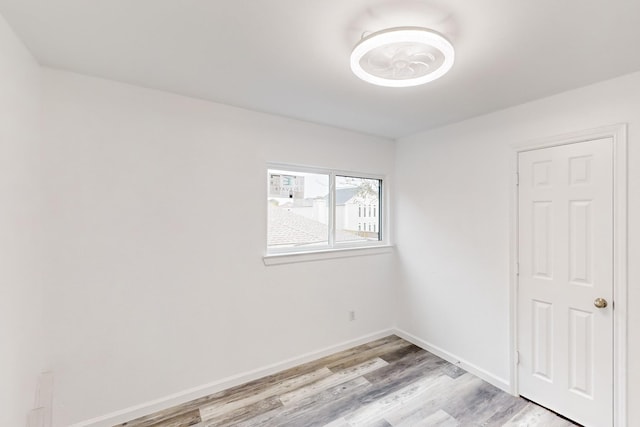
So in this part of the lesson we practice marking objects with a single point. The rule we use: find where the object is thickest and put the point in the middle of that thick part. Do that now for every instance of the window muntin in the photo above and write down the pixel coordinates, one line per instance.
(315, 209)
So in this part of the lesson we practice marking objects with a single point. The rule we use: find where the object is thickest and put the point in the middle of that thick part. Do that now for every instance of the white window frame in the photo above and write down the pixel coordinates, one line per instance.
(333, 247)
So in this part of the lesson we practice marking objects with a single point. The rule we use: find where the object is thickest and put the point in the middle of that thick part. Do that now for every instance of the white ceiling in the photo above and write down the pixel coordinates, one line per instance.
(291, 57)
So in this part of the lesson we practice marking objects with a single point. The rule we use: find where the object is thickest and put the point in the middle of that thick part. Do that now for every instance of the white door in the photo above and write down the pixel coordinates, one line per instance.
(565, 257)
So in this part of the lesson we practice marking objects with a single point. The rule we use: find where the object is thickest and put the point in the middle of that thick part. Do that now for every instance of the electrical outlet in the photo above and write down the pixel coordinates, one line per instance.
(352, 315)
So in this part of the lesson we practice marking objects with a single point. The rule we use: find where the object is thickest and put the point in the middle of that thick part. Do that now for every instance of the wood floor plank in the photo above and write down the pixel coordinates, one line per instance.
(183, 420)
(400, 374)
(371, 353)
(380, 423)
(173, 417)
(395, 355)
(318, 410)
(376, 410)
(340, 422)
(426, 405)
(242, 413)
(412, 364)
(414, 412)
(453, 371)
(337, 378)
(480, 403)
(504, 408)
(534, 415)
(334, 360)
(218, 409)
(439, 419)
(383, 341)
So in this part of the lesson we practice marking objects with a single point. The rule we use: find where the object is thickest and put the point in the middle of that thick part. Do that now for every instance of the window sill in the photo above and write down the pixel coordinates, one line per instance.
(293, 257)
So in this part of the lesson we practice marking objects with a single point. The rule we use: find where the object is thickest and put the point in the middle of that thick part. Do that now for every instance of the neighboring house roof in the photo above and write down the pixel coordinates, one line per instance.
(344, 195)
(288, 228)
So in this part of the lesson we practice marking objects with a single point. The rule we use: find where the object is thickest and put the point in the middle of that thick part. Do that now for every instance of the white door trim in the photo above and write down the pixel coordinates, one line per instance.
(618, 133)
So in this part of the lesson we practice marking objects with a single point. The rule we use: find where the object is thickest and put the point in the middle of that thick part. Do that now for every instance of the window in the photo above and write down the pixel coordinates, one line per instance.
(315, 209)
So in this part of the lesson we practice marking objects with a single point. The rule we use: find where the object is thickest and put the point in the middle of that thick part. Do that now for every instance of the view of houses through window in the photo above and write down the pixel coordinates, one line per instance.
(303, 214)
(357, 201)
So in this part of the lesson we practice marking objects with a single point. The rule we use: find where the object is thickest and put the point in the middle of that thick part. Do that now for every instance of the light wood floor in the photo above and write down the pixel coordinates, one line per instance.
(388, 382)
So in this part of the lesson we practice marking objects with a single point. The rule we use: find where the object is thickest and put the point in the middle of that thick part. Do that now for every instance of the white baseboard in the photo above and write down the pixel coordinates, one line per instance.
(133, 412)
(501, 383)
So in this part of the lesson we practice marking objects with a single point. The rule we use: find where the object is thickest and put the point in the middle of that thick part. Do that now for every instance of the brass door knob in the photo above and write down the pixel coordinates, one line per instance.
(600, 302)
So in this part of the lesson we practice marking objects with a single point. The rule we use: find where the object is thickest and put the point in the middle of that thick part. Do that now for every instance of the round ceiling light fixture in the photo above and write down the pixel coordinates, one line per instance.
(402, 57)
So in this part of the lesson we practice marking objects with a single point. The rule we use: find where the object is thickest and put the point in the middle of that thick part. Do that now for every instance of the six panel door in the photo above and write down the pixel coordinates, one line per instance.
(565, 257)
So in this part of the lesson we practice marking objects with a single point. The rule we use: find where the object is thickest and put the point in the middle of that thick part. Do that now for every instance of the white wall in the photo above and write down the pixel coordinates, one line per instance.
(452, 219)
(21, 356)
(157, 225)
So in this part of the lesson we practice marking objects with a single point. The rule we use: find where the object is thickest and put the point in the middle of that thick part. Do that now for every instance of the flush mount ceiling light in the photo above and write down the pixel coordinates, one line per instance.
(402, 57)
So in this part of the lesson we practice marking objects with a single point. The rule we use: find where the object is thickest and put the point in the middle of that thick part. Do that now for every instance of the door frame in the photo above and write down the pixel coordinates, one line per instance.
(618, 133)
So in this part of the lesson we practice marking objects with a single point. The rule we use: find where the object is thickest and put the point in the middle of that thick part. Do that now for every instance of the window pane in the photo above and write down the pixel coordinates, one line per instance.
(352, 193)
(298, 209)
